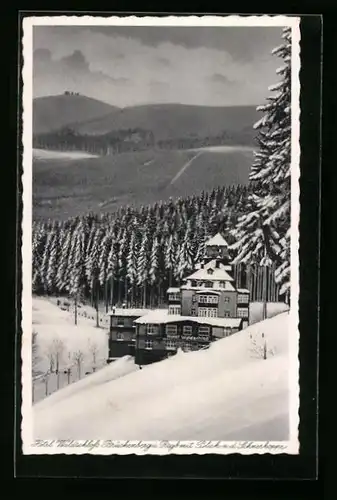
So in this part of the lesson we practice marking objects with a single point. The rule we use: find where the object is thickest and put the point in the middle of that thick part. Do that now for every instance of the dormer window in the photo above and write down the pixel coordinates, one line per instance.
(210, 271)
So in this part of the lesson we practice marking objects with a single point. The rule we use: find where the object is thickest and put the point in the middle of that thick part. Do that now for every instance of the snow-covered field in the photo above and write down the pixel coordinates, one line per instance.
(228, 392)
(47, 154)
(58, 335)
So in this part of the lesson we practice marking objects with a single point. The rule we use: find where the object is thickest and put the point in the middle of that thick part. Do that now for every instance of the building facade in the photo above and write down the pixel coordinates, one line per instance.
(122, 332)
(205, 308)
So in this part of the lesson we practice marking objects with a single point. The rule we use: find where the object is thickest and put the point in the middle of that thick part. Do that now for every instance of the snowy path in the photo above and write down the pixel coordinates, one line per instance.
(184, 167)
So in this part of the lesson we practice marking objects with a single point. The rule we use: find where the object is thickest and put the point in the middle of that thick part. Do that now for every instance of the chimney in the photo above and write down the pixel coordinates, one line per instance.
(217, 264)
(202, 265)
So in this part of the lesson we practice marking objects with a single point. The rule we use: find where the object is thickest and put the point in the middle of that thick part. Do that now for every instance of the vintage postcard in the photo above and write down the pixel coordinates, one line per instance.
(160, 235)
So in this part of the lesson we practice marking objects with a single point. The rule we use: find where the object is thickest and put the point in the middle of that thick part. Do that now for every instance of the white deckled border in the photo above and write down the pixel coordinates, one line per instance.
(94, 447)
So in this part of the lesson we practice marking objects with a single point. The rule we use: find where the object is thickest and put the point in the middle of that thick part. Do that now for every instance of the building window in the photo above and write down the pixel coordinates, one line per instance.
(187, 330)
(174, 296)
(208, 299)
(209, 312)
(148, 344)
(210, 271)
(193, 311)
(120, 336)
(151, 329)
(242, 299)
(227, 299)
(227, 314)
(171, 329)
(120, 321)
(174, 310)
(242, 312)
(193, 283)
(200, 284)
(208, 284)
(171, 344)
(227, 332)
(113, 321)
(203, 330)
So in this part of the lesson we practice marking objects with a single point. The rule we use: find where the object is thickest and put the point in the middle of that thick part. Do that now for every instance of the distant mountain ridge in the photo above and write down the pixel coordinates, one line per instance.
(51, 113)
(167, 122)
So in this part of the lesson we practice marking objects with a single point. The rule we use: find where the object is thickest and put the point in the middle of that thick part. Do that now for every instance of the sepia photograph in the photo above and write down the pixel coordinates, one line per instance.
(160, 235)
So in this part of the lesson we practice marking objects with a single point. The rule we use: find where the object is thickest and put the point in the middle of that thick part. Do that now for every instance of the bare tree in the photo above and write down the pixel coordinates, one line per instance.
(78, 360)
(58, 348)
(93, 349)
(260, 350)
(36, 372)
(46, 381)
(50, 354)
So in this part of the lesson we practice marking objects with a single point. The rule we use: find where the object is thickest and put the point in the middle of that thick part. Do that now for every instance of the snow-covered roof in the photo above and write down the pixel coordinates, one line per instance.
(217, 241)
(173, 290)
(208, 290)
(218, 274)
(128, 311)
(212, 263)
(227, 288)
(243, 290)
(163, 317)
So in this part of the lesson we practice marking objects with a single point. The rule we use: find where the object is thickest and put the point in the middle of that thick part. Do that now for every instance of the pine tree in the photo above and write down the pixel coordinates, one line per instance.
(131, 263)
(186, 255)
(263, 232)
(52, 265)
(170, 256)
(62, 277)
(112, 266)
(143, 266)
(77, 272)
(154, 265)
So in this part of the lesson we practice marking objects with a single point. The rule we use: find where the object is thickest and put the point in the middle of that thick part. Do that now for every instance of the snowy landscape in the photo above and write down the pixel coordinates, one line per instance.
(161, 235)
(228, 392)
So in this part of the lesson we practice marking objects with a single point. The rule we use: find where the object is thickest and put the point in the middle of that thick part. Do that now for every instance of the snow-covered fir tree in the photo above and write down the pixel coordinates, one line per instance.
(131, 263)
(262, 234)
(170, 256)
(143, 266)
(186, 254)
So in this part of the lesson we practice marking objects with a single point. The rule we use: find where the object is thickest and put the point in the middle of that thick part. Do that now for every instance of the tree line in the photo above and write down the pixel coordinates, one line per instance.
(136, 139)
(134, 255)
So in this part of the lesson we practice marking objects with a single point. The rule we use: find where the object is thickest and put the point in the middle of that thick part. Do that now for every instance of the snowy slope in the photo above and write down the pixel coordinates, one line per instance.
(228, 392)
(51, 323)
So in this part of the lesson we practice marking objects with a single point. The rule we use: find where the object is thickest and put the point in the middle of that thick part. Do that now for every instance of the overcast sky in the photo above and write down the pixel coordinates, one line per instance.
(126, 66)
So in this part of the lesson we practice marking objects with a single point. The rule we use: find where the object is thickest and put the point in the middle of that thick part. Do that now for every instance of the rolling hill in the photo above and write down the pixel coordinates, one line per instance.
(65, 187)
(54, 112)
(174, 121)
(87, 116)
